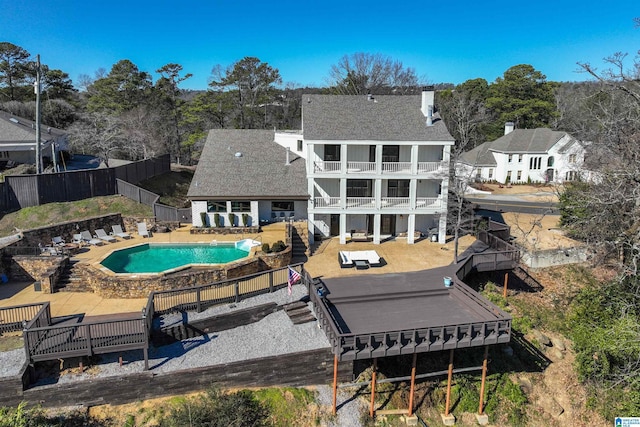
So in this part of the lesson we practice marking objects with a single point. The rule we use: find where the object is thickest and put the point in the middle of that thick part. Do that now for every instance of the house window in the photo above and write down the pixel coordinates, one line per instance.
(391, 153)
(519, 158)
(479, 173)
(299, 146)
(519, 176)
(241, 206)
(572, 158)
(358, 188)
(490, 173)
(550, 162)
(280, 206)
(535, 163)
(398, 188)
(510, 158)
(331, 153)
(216, 206)
(4, 154)
(508, 176)
(571, 176)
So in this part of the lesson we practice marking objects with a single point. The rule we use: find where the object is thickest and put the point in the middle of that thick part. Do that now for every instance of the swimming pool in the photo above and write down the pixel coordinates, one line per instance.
(158, 257)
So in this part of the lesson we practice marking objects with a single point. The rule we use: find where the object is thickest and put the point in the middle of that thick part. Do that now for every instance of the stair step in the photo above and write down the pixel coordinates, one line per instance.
(304, 319)
(294, 306)
(298, 312)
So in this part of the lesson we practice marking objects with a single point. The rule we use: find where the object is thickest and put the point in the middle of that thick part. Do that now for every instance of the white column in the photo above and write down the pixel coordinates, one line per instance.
(311, 227)
(414, 159)
(343, 228)
(377, 192)
(343, 193)
(379, 159)
(376, 229)
(411, 228)
(343, 158)
(413, 193)
(442, 228)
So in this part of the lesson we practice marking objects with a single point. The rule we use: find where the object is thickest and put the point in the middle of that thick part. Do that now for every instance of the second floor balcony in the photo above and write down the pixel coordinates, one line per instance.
(335, 167)
(385, 203)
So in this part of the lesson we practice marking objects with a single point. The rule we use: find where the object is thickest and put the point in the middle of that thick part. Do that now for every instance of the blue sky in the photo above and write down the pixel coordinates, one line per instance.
(444, 41)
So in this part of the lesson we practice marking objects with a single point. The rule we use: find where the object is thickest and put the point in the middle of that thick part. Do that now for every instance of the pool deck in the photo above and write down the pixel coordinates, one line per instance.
(399, 257)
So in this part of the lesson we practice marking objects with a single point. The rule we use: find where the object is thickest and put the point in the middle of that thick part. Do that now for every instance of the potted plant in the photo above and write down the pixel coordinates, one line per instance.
(232, 219)
(245, 219)
(216, 220)
(203, 218)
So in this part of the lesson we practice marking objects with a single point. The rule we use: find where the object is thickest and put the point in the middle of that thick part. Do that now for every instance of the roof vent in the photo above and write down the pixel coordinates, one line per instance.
(238, 154)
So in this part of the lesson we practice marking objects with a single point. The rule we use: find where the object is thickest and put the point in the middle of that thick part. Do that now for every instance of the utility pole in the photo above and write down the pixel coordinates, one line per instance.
(37, 90)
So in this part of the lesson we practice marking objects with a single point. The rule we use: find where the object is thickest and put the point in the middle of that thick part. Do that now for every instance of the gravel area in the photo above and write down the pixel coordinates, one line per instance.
(274, 335)
(350, 406)
(11, 362)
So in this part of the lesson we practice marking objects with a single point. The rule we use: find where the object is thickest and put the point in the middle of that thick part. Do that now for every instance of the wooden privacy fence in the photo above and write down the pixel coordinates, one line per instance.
(198, 298)
(161, 212)
(21, 191)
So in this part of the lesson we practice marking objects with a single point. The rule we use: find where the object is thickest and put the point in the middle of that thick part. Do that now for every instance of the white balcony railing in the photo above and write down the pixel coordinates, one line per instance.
(326, 167)
(361, 167)
(386, 203)
(370, 167)
(428, 167)
(396, 167)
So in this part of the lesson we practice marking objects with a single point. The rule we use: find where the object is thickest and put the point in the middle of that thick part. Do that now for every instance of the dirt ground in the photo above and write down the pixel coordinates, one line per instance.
(538, 232)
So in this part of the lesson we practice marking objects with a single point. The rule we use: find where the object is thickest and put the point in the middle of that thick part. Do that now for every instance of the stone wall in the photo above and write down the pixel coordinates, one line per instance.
(43, 235)
(44, 269)
(553, 257)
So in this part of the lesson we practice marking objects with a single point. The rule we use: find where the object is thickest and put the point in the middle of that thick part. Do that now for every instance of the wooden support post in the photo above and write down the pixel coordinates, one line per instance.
(335, 383)
(373, 387)
(506, 280)
(449, 377)
(120, 360)
(81, 366)
(145, 351)
(412, 389)
(484, 377)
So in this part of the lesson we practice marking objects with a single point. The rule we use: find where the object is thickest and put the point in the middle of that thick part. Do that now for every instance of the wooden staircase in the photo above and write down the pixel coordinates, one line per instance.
(299, 312)
(299, 242)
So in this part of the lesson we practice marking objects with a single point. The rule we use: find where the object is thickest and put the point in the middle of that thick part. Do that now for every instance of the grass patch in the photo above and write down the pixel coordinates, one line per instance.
(289, 406)
(55, 213)
(172, 187)
(11, 341)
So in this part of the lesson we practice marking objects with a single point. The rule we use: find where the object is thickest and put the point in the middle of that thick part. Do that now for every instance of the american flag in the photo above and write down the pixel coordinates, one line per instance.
(294, 276)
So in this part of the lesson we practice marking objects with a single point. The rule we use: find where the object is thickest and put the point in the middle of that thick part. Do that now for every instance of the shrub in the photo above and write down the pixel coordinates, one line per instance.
(245, 219)
(265, 248)
(203, 218)
(232, 219)
(216, 220)
(278, 246)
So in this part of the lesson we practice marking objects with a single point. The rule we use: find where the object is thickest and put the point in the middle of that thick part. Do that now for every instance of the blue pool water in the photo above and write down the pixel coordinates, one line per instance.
(155, 258)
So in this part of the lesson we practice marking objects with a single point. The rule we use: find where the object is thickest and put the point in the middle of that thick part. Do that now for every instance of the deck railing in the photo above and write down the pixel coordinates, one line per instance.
(13, 319)
(199, 298)
(353, 167)
(85, 339)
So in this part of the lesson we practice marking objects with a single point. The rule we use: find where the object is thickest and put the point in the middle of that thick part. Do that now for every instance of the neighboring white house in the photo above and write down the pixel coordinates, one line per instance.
(526, 155)
(18, 140)
(361, 167)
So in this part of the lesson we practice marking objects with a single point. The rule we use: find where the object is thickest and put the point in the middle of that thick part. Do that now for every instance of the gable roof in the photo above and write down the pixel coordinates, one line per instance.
(355, 118)
(258, 173)
(519, 141)
(16, 129)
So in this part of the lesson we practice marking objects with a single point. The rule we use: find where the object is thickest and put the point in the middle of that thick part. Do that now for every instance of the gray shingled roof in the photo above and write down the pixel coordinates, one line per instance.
(538, 140)
(260, 173)
(23, 130)
(353, 117)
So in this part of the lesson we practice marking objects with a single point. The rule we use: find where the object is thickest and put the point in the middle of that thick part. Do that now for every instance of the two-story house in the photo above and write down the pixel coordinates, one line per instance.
(372, 167)
(526, 155)
(377, 166)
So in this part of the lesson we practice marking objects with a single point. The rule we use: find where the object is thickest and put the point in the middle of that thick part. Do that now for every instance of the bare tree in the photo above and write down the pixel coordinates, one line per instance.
(99, 134)
(361, 73)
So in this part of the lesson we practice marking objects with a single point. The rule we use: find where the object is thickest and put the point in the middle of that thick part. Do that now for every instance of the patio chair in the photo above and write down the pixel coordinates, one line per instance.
(49, 250)
(117, 231)
(102, 235)
(77, 238)
(86, 238)
(142, 229)
(57, 241)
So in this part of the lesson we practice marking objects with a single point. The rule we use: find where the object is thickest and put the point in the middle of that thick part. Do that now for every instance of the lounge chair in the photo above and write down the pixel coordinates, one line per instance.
(57, 241)
(117, 231)
(102, 235)
(344, 260)
(77, 238)
(86, 238)
(142, 229)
